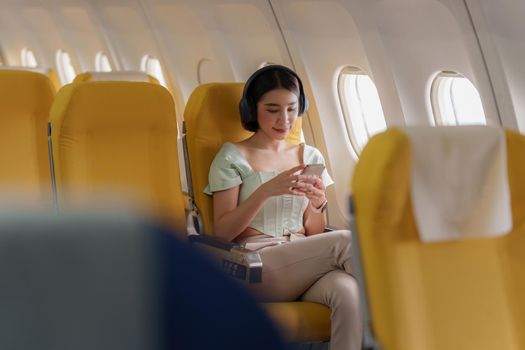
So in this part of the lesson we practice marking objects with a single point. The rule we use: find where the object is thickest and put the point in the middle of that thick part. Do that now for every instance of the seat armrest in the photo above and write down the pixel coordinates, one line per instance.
(237, 261)
(213, 241)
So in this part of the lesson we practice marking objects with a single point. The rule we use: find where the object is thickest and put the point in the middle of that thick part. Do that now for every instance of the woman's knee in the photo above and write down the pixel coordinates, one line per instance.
(343, 235)
(345, 290)
(342, 242)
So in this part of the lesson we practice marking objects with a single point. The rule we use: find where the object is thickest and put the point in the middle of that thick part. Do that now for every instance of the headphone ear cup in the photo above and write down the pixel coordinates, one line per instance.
(251, 107)
(303, 103)
(244, 109)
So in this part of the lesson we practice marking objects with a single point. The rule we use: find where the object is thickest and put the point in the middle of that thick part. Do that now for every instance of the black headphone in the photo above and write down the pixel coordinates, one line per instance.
(247, 105)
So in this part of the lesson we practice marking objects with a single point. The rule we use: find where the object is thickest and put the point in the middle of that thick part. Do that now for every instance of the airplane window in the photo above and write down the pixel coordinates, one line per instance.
(102, 63)
(66, 71)
(456, 101)
(28, 58)
(361, 106)
(152, 66)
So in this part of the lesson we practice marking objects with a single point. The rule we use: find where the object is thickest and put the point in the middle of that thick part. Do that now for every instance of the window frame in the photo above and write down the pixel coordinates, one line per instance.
(347, 116)
(435, 103)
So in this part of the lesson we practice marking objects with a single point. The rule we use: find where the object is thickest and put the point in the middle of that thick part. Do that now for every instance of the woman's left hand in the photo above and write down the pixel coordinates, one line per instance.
(313, 188)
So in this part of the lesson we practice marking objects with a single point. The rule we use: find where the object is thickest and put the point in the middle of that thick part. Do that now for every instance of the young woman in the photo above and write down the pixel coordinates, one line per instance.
(261, 199)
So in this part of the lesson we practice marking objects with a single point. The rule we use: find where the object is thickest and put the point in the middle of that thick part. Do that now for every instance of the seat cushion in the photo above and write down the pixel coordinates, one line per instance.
(301, 321)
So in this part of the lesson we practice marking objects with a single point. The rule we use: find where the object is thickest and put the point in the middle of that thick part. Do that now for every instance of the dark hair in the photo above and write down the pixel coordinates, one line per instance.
(263, 80)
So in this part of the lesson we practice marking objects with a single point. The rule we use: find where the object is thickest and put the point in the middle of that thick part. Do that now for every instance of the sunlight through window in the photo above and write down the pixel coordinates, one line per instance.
(102, 63)
(361, 107)
(66, 71)
(456, 101)
(28, 58)
(152, 66)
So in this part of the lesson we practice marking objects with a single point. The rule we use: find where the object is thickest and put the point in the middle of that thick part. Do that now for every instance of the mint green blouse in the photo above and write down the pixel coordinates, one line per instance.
(280, 214)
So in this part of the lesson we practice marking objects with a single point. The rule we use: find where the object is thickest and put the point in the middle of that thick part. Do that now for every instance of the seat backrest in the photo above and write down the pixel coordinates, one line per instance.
(26, 99)
(117, 137)
(436, 295)
(115, 76)
(212, 118)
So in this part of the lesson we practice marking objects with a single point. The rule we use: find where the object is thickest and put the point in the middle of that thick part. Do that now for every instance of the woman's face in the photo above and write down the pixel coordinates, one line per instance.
(276, 113)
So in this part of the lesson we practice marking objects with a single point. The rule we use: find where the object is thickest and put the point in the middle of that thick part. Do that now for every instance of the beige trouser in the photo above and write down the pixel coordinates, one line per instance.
(317, 269)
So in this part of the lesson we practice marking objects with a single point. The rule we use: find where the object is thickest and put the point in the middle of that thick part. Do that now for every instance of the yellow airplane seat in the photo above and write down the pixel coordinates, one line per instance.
(26, 99)
(211, 118)
(117, 139)
(55, 80)
(115, 76)
(454, 294)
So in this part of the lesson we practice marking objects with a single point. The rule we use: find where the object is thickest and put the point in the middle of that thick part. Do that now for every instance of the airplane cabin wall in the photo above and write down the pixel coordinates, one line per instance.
(13, 37)
(501, 31)
(191, 55)
(83, 34)
(323, 38)
(422, 38)
(401, 44)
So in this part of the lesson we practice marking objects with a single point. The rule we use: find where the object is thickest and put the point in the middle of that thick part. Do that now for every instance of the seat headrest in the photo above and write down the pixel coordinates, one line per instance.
(50, 72)
(213, 111)
(101, 104)
(136, 76)
(23, 68)
(25, 89)
(443, 179)
(459, 182)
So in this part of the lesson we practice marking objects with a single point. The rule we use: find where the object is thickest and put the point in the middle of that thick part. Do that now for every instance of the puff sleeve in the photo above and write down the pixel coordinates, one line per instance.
(224, 172)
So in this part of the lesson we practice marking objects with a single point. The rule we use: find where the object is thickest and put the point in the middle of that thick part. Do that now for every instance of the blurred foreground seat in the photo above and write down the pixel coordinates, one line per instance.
(464, 294)
(108, 281)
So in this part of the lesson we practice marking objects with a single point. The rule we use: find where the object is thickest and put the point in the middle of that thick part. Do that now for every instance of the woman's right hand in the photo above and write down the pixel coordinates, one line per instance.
(283, 183)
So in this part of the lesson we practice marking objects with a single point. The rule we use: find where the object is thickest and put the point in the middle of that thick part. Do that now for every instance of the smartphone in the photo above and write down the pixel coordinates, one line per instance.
(313, 169)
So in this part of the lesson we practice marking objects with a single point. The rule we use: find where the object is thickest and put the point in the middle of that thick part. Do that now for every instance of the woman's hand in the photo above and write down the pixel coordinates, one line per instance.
(284, 183)
(313, 188)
